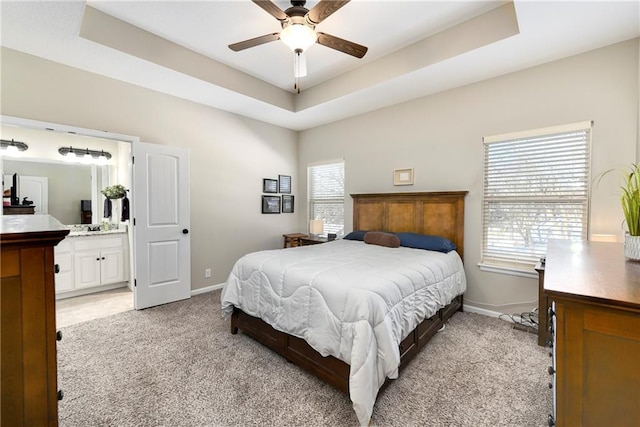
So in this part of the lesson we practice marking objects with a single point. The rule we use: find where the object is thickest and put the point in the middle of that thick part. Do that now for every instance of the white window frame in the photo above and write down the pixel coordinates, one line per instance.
(508, 261)
(330, 226)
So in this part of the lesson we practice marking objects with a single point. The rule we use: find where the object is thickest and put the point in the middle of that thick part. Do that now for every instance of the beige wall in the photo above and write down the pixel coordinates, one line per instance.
(230, 154)
(441, 137)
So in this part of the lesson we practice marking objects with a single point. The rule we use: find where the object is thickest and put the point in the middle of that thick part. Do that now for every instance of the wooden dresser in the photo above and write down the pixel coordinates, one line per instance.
(18, 210)
(27, 303)
(595, 327)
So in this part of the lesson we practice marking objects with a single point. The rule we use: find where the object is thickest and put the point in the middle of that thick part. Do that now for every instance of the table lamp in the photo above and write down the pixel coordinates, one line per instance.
(316, 227)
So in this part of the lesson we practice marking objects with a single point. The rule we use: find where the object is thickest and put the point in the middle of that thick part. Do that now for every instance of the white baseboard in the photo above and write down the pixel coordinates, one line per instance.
(207, 289)
(485, 312)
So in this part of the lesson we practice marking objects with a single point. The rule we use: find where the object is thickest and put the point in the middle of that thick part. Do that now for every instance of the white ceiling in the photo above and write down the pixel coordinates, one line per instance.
(259, 82)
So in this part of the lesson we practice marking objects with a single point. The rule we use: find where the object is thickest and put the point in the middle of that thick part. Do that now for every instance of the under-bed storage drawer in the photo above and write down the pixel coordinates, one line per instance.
(449, 310)
(334, 371)
(408, 347)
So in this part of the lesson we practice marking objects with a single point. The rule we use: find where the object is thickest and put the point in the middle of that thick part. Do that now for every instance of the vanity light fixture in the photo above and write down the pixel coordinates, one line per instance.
(87, 157)
(85, 154)
(13, 148)
(102, 158)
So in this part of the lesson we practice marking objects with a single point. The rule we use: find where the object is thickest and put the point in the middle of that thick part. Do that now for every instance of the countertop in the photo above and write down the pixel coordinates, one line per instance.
(96, 233)
(81, 230)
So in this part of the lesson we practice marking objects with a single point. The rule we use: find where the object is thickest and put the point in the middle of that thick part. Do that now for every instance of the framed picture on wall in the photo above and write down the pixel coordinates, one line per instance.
(270, 204)
(285, 184)
(287, 204)
(269, 185)
(403, 176)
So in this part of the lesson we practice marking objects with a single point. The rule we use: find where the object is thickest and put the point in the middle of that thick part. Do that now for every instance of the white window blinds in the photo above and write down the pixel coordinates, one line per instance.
(536, 187)
(326, 195)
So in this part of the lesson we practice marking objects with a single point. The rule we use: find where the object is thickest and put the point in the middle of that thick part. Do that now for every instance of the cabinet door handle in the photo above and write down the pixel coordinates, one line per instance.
(102, 258)
(97, 259)
(56, 268)
(551, 370)
(60, 394)
(185, 231)
(59, 336)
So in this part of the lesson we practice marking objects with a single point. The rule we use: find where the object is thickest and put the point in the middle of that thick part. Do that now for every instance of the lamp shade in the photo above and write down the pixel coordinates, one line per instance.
(316, 226)
(298, 36)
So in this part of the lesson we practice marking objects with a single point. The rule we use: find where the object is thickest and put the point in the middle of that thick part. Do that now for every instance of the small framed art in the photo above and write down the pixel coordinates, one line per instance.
(285, 184)
(270, 204)
(287, 204)
(269, 185)
(403, 176)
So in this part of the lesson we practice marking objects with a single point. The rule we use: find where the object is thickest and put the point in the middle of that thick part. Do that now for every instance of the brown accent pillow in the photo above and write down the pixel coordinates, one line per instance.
(381, 238)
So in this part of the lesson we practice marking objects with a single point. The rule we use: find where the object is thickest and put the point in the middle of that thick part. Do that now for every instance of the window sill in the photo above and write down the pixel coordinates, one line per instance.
(512, 271)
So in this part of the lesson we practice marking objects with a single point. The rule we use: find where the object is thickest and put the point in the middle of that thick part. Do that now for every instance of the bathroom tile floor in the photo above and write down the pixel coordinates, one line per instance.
(70, 311)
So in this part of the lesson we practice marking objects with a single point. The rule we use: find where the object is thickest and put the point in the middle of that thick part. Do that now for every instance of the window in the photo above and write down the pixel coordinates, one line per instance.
(326, 195)
(536, 187)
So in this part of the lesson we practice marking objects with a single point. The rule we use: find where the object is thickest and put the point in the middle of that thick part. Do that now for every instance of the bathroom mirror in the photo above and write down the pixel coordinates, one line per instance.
(64, 186)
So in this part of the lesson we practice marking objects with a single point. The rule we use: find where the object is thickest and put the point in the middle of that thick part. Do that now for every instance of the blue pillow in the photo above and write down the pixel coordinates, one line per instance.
(356, 235)
(424, 241)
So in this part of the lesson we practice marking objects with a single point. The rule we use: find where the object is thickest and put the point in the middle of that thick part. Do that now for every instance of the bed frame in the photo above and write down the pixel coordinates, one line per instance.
(438, 213)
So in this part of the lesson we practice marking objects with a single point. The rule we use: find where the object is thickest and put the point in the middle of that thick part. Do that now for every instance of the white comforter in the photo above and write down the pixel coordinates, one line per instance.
(347, 299)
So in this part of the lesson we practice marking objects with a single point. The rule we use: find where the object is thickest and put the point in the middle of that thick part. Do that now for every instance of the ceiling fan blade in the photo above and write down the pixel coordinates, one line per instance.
(299, 64)
(350, 48)
(236, 47)
(324, 9)
(272, 9)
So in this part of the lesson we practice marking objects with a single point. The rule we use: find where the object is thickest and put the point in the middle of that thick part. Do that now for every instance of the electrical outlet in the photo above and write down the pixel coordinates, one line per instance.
(207, 273)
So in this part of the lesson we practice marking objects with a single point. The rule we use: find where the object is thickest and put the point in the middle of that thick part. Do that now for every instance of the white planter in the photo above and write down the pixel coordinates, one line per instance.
(632, 247)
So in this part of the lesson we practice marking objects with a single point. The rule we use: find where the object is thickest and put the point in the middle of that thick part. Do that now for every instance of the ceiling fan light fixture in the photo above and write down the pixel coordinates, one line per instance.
(298, 36)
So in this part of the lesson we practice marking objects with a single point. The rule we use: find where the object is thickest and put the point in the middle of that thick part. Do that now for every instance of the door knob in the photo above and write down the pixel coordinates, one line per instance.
(185, 231)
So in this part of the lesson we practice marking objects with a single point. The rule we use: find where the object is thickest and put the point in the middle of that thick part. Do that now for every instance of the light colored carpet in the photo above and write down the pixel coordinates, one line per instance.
(178, 365)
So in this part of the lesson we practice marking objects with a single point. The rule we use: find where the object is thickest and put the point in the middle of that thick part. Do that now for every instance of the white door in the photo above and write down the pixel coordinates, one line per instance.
(162, 243)
(36, 189)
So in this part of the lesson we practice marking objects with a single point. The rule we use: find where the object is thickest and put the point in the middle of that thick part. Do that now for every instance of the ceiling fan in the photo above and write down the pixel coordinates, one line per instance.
(298, 32)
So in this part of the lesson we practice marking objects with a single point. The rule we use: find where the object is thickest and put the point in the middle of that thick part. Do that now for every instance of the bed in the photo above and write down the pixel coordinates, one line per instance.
(351, 313)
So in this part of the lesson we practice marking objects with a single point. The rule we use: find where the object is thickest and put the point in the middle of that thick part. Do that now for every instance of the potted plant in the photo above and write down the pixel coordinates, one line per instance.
(116, 191)
(630, 201)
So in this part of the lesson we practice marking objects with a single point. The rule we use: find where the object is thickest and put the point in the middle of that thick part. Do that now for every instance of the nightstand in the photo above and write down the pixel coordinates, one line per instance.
(293, 240)
(312, 240)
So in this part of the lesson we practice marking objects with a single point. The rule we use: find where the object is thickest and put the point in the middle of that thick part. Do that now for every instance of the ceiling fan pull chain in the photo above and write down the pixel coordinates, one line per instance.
(297, 69)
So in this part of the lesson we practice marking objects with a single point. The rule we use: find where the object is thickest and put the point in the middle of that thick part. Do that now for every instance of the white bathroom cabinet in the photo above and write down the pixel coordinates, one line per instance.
(91, 263)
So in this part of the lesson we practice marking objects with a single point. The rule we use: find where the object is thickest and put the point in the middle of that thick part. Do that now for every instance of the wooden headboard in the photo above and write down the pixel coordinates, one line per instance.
(435, 213)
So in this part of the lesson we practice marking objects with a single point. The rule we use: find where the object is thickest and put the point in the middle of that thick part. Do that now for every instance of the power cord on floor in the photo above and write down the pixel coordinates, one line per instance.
(527, 321)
